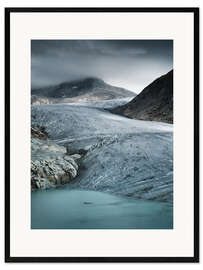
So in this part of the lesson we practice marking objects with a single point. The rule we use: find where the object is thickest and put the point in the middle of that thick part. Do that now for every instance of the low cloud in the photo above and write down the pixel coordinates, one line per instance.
(131, 64)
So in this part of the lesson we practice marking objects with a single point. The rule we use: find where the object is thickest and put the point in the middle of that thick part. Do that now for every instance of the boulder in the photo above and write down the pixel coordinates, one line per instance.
(51, 172)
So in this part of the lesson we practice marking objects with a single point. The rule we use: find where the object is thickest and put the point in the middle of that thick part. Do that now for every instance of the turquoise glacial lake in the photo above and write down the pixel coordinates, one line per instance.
(81, 209)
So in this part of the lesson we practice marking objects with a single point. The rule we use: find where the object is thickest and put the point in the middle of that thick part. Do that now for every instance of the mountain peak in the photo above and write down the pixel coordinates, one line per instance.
(93, 79)
(86, 89)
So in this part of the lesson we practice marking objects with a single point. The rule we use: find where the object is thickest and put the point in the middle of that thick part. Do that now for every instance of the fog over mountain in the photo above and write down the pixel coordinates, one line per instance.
(129, 64)
(88, 89)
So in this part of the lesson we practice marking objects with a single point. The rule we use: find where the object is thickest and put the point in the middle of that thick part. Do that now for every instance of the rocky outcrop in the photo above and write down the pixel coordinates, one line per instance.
(51, 172)
(51, 166)
(39, 132)
(154, 103)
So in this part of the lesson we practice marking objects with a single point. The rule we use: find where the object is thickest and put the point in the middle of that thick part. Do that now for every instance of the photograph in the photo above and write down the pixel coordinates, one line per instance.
(101, 134)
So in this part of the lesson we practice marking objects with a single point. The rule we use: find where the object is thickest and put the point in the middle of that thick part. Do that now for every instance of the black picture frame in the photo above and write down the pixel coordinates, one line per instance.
(8, 257)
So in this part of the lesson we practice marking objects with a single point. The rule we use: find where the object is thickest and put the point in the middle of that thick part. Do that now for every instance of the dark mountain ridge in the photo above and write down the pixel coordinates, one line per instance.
(88, 89)
(154, 103)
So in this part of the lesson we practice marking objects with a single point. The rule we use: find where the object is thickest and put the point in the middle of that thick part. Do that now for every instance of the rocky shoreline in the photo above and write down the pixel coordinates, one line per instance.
(51, 165)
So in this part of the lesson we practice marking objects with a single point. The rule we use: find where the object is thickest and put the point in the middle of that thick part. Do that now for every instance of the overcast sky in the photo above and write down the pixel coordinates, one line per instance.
(131, 64)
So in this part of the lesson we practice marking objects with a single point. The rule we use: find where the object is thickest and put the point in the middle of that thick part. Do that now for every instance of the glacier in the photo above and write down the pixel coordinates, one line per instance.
(127, 157)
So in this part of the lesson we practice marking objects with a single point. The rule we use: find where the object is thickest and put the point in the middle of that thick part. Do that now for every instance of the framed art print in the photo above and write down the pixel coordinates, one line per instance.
(102, 134)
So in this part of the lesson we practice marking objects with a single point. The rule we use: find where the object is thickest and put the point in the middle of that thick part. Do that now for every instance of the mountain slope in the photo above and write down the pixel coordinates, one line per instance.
(89, 89)
(154, 103)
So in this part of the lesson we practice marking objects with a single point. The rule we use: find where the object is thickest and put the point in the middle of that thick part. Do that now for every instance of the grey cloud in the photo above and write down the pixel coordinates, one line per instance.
(127, 63)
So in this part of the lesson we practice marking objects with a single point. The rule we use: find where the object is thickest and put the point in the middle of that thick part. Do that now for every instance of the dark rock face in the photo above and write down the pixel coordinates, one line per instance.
(89, 89)
(154, 103)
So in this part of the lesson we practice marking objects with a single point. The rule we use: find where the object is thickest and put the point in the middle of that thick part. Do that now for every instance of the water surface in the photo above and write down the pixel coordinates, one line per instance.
(81, 209)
